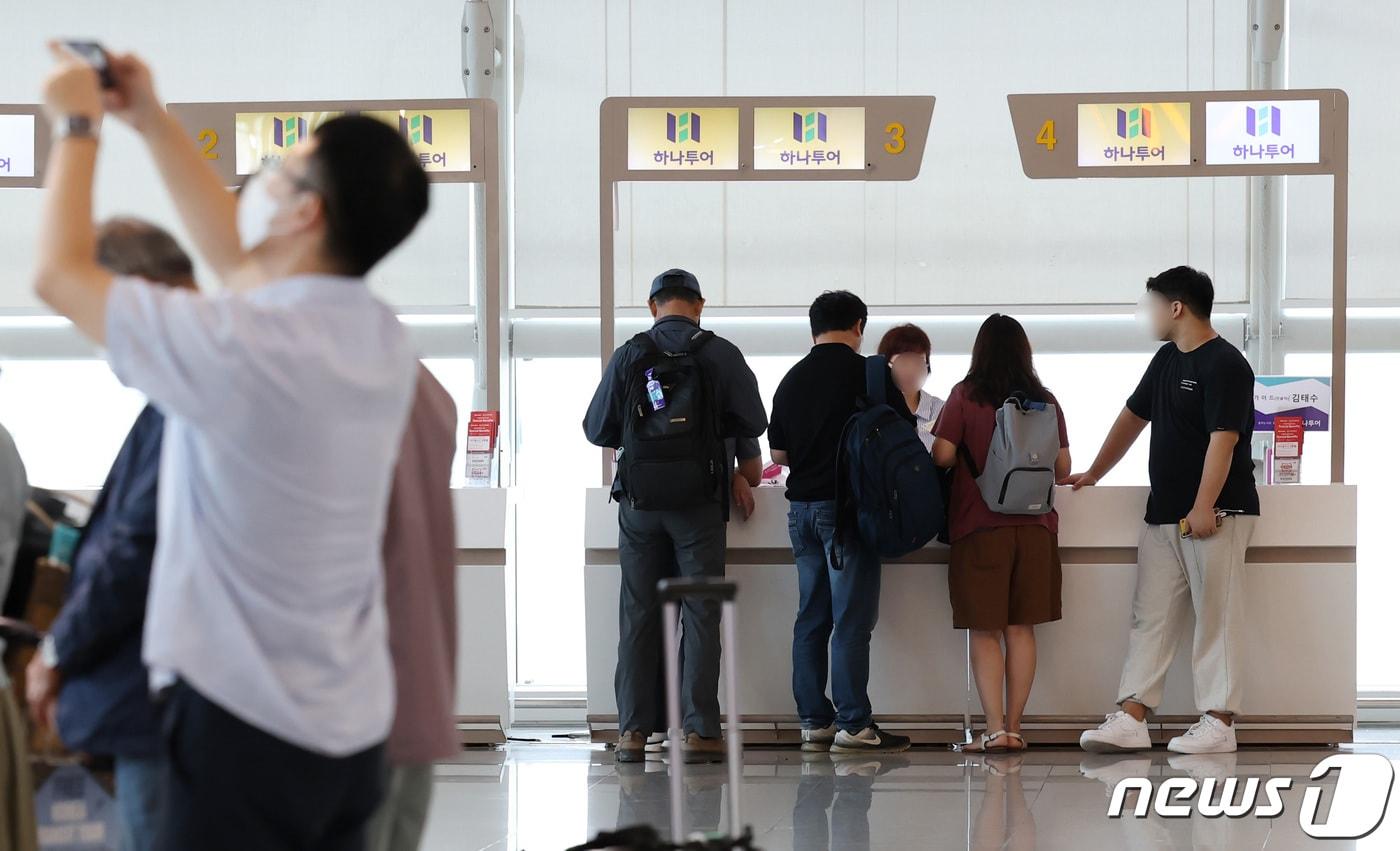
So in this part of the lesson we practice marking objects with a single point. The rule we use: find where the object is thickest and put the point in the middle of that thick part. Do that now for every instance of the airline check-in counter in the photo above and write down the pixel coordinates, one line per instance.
(1300, 686)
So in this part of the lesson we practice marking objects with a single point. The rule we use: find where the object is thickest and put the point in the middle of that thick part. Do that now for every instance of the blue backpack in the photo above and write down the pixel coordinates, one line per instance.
(891, 494)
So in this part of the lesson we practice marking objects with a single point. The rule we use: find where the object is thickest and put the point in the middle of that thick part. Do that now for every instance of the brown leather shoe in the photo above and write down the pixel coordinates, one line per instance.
(700, 749)
(631, 747)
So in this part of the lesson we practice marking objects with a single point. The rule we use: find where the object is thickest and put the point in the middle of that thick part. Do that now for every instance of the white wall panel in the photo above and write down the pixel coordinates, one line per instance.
(1351, 45)
(556, 151)
(972, 228)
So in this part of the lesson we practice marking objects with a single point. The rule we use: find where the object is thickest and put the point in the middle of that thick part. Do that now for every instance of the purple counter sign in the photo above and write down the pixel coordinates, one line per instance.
(1309, 397)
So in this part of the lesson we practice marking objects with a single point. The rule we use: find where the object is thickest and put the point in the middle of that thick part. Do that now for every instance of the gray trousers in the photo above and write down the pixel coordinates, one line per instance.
(653, 545)
(398, 823)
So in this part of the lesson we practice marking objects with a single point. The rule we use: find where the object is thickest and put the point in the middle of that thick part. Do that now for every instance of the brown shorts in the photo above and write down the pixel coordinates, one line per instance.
(1003, 576)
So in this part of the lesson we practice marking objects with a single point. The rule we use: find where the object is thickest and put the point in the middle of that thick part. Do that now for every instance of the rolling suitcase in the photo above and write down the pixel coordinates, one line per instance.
(672, 592)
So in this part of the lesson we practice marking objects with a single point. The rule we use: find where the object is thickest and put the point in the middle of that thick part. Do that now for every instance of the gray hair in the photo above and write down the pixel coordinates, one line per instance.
(128, 246)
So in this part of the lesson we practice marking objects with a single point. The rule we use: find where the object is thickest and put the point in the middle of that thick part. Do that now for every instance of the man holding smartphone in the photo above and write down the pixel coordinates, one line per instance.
(285, 397)
(1198, 394)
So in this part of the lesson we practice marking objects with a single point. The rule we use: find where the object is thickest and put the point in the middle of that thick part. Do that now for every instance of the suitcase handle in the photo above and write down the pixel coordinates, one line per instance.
(704, 587)
(672, 591)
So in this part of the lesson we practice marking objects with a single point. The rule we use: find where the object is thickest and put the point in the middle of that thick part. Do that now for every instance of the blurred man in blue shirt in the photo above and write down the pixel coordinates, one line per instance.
(90, 663)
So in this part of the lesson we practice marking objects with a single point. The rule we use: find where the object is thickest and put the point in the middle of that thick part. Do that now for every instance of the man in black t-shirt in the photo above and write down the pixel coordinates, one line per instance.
(1198, 394)
(837, 609)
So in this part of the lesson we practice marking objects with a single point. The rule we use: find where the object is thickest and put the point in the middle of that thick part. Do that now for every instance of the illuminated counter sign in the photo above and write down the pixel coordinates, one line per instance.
(683, 139)
(260, 137)
(16, 146)
(442, 138)
(1260, 132)
(809, 138)
(1134, 134)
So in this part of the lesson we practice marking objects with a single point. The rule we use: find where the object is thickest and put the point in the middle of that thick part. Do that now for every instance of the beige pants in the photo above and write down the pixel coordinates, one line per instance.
(17, 828)
(1177, 577)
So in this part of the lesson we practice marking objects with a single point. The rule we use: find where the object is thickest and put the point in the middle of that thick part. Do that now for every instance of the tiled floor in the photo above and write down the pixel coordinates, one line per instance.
(554, 794)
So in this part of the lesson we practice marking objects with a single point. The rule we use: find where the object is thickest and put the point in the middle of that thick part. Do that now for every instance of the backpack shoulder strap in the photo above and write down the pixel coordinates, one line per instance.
(842, 499)
(699, 339)
(877, 371)
(966, 457)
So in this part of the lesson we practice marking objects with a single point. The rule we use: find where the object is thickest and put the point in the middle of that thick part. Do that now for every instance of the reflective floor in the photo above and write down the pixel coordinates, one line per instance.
(553, 794)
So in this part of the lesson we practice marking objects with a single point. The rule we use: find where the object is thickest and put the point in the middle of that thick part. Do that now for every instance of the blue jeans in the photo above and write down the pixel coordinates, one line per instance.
(838, 608)
(140, 796)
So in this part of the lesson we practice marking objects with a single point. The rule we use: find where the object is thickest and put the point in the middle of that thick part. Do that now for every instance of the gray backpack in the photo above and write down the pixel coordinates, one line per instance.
(1019, 477)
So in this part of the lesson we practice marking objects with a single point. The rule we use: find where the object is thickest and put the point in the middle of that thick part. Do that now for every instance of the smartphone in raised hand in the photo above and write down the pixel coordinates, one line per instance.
(94, 54)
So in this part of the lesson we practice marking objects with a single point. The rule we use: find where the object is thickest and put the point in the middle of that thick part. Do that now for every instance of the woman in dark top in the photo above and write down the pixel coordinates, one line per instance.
(1004, 569)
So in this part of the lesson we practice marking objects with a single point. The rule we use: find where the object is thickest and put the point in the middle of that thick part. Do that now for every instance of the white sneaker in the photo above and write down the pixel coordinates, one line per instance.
(1203, 766)
(656, 743)
(818, 739)
(1110, 769)
(1119, 733)
(1208, 735)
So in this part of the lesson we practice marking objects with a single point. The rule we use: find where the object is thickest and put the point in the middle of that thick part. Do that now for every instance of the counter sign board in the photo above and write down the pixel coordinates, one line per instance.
(1134, 134)
(262, 137)
(442, 138)
(16, 146)
(809, 137)
(238, 138)
(683, 138)
(1256, 132)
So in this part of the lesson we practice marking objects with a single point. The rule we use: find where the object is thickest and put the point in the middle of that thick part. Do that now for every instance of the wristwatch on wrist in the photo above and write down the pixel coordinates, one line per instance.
(75, 127)
(49, 651)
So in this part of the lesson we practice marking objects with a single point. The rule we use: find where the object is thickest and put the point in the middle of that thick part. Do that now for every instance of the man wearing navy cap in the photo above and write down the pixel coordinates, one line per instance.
(681, 404)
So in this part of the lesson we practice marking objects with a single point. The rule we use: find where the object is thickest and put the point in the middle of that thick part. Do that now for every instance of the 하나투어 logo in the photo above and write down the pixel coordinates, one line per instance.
(1263, 121)
(1135, 122)
(683, 127)
(417, 129)
(286, 132)
(809, 126)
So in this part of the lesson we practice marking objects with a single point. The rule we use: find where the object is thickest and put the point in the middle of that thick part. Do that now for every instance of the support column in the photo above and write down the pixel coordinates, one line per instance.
(1266, 234)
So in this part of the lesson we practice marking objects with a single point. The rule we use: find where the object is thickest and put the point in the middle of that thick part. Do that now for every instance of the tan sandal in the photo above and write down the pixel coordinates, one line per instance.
(982, 743)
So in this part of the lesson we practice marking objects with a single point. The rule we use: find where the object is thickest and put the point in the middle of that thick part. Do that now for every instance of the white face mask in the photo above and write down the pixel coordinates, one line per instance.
(256, 210)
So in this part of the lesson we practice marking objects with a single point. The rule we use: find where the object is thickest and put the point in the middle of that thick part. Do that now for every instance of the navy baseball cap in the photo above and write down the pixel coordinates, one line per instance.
(674, 279)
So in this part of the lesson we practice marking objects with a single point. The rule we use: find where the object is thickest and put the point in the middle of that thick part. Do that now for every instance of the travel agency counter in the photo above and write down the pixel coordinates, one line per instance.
(1300, 686)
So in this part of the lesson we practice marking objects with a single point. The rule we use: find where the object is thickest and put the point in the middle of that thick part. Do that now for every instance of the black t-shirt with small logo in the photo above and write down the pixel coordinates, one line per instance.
(1187, 396)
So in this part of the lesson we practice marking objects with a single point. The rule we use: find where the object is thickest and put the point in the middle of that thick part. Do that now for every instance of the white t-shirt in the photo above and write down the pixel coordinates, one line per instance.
(284, 411)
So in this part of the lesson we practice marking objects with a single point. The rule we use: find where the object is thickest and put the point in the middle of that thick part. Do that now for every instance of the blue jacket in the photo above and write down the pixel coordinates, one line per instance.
(105, 706)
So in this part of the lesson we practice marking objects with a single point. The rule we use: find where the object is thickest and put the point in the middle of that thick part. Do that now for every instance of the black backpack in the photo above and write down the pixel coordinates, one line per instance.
(888, 490)
(672, 458)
